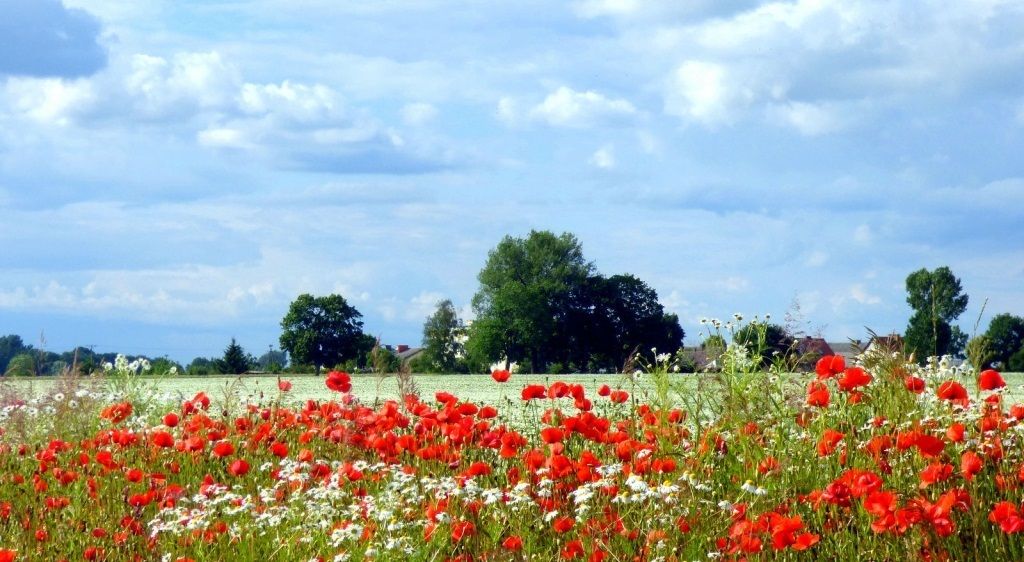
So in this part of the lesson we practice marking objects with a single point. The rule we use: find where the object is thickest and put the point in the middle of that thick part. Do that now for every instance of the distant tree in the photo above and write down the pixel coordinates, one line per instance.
(442, 335)
(765, 341)
(936, 298)
(273, 361)
(979, 352)
(524, 297)
(1016, 362)
(235, 360)
(1006, 335)
(322, 331)
(202, 366)
(164, 366)
(23, 364)
(383, 360)
(10, 346)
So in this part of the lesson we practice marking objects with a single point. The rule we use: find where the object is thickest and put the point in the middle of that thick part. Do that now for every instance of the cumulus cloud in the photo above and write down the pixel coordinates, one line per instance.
(705, 92)
(566, 107)
(43, 38)
(603, 158)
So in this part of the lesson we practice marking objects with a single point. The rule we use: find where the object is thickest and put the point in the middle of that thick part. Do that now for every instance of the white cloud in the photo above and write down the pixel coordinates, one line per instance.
(861, 295)
(808, 119)
(603, 157)
(222, 137)
(566, 107)
(418, 114)
(704, 92)
(185, 83)
(49, 101)
(817, 258)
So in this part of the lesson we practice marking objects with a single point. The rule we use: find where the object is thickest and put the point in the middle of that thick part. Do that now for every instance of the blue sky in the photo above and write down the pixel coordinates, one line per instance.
(173, 173)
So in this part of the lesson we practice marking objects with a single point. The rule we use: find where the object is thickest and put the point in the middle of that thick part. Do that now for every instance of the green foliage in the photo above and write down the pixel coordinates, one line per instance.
(442, 340)
(10, 346)
(273, 361)
(383, 360)
(322, 331)
(525, 291)
(23, 364)
(1016, 361)
(1006, 336)
(765, 342)
(979, 352)
(937, 300)
(164, 366)
(202, 366)
(235, 360)
(540, 302)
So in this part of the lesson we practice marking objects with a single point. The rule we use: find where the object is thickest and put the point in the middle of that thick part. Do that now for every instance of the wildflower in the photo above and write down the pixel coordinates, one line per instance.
(500, 375)
(284, 386)
(513, 543)
(990, 380)
(952, 391)
(238, 468)
(339, 381)
(830, 366)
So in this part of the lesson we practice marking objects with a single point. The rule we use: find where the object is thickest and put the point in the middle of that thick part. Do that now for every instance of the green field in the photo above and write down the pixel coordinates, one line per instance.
(370, 388)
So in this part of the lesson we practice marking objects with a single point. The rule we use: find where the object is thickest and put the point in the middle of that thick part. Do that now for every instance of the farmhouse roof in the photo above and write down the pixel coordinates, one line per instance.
(813, 346)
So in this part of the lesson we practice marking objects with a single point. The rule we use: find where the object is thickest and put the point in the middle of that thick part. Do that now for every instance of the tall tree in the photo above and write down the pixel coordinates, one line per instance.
(1005, 336)
(322, 331)
(525, 294)
(442, 338)
(235, 360)
(765, 341)
(937, 299)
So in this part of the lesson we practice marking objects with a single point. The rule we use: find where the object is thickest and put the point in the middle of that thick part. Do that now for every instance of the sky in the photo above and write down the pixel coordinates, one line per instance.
(173, 173)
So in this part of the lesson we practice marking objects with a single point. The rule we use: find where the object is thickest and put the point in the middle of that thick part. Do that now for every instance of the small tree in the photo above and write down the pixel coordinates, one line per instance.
(766, 341)
(937, 299)
(442, 339)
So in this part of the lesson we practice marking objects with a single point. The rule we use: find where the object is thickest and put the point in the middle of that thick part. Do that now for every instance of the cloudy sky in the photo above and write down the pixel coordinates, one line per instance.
(174, 172)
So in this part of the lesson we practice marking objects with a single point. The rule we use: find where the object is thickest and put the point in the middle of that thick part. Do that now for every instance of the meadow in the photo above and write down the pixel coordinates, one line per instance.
(882, 460)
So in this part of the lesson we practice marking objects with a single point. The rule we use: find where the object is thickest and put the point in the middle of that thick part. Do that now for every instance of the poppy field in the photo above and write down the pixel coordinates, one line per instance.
(878, 460)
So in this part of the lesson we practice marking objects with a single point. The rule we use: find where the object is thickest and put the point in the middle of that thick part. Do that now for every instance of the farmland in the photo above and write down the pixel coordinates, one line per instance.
(880, 461)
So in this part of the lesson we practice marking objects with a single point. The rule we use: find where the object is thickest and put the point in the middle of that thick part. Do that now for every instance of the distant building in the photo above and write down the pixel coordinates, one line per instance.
(849, 350)
(407, 354)
(888, 344)
(809, 350)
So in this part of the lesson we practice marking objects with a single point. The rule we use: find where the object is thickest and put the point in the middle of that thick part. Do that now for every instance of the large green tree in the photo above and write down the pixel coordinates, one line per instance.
(1005, 337)
(322, 331)
(525, 296)
(765, 341)
(541, 301)
(442, 339)
(937, 300)
(628, 318)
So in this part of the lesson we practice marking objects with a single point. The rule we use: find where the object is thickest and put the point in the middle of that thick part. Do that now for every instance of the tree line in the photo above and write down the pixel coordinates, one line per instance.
(542, 306)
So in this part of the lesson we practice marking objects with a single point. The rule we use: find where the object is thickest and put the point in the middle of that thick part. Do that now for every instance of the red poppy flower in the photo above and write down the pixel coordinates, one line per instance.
(513, 543)
(339, 381)
(952, 391)
(970, 465)
(171, 419)
(284, 386)
(914, 384)
(990, 380)
(817, 394)
(238, 468)
(563, 524)
(8, 555)
(854, 378)
(534, 391)
(223, 449)
(604, 390)
(830, 366)
(462, 529)
(501, 375)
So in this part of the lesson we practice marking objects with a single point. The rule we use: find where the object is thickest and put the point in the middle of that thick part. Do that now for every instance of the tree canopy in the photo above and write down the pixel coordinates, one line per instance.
(322, 331)
(235, 360)
(1005, 337)
(937, 300)
(442, 339)
(540, 301)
